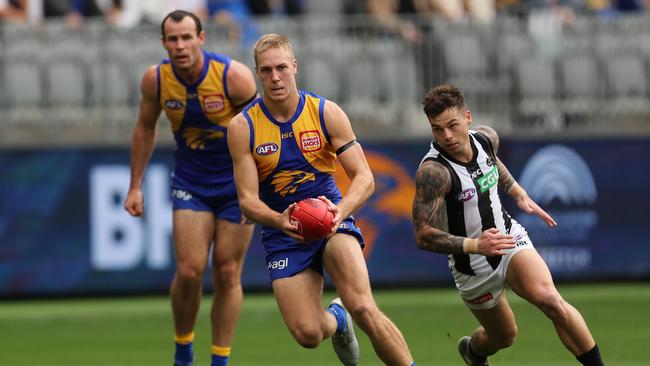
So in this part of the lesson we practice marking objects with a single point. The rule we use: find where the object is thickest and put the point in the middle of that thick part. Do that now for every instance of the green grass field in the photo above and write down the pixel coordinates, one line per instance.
(137, 331)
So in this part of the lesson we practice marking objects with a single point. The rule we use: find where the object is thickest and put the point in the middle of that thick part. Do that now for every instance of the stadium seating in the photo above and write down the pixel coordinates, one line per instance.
(537, 88)
(589, 70)
(628, 84)
(581, 86)
(320, 74)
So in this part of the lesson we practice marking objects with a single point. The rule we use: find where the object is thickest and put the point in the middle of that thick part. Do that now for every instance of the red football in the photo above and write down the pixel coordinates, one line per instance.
(313, 218)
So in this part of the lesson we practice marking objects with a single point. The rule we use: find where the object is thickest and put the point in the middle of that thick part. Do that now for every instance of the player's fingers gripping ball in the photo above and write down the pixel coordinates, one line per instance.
(313, 218)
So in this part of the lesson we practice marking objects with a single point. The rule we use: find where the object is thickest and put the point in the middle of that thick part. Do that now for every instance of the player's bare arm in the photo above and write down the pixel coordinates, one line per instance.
(246, 180)
(432, 183)
(241, 85)
(509, 185)
(350, 155)
(143, 140)
(491, 134)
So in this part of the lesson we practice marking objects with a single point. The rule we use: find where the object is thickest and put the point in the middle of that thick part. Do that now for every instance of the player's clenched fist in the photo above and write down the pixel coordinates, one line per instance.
(134, 203)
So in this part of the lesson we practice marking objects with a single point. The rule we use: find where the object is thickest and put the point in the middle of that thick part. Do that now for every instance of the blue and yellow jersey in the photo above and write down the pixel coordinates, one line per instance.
(199, 114)
(294, 159)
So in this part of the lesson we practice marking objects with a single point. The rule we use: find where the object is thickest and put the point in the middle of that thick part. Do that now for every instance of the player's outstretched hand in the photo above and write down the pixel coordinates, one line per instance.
(335, 210)
(288, 226)
(492, 242)
(134, 203)
(529, 206)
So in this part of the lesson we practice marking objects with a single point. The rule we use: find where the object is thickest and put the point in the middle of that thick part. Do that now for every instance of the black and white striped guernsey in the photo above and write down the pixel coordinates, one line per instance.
(473, 204)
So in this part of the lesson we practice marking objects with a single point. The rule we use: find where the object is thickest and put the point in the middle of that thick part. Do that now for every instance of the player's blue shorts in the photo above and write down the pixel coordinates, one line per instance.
(286, 257)
(224, 206)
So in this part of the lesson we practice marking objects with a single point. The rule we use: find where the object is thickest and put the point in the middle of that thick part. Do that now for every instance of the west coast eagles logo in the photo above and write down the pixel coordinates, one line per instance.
(197, 138)
(287, 181)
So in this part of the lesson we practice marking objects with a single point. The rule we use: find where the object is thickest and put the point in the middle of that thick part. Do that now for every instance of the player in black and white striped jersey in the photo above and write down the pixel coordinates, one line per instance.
(457, 211)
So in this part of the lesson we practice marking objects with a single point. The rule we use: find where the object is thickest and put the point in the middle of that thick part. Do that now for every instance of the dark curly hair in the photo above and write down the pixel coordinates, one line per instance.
(442, 97)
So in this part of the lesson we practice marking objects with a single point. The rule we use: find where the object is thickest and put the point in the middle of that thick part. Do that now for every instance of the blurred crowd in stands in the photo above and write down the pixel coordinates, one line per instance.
(129, 13)
(398, 17)
(390, 13)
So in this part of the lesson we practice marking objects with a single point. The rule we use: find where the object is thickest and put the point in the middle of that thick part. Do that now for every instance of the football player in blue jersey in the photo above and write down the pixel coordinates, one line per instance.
(457, 211)
(199, 92)
(284, 147)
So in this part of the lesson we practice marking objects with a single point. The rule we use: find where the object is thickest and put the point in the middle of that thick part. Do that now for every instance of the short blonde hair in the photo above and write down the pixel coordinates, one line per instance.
(271, 40)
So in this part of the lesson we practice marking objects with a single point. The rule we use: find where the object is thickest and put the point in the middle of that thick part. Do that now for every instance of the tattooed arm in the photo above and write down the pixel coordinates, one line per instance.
(432, 183)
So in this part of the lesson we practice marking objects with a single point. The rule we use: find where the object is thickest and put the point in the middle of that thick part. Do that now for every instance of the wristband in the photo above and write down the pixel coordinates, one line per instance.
(470, 246)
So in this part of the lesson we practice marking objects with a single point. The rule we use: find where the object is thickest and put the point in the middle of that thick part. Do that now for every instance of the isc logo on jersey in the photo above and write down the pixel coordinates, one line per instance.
(266, 149)
(213, 103)
(310, 141)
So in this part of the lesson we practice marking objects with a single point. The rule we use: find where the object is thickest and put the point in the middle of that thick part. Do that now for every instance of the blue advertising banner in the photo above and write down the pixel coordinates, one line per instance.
(63, 230)
(597, 192)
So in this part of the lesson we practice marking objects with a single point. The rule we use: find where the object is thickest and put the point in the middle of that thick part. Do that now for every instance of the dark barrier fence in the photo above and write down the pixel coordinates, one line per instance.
(63, 230)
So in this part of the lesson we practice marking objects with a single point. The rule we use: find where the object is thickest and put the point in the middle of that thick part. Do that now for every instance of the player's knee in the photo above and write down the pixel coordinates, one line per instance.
(225, 275)
(188, 273)
(362, 312)
(504, 338)
(308, 337)
(552, 304)
(509, 337)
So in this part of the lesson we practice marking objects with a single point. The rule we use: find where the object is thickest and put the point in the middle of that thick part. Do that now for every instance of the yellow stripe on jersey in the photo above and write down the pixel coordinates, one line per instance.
(311, 139)
(212, 96)
(173, 96)
(267, 142)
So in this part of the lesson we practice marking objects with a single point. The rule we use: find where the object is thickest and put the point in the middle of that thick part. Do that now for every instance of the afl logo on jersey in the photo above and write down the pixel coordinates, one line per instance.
(213, 103)
(466, 195)
(310, 141)
(266, 149)
(173, 104)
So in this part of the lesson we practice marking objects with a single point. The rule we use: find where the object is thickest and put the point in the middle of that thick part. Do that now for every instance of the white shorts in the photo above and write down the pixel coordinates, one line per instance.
(484, 291)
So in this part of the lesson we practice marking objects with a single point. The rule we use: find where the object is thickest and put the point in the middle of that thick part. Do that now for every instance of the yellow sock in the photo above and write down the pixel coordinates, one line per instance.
(185, 338)
(220, 351)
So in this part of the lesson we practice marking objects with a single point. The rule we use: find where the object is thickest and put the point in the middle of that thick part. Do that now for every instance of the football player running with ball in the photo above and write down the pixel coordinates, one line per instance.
(284, 146)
